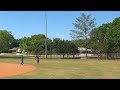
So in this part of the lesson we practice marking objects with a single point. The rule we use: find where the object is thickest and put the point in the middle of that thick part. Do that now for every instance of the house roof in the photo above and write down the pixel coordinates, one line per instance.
(14, 49)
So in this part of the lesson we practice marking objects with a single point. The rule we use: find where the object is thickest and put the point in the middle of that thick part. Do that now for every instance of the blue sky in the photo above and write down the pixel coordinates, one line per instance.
(27, 23)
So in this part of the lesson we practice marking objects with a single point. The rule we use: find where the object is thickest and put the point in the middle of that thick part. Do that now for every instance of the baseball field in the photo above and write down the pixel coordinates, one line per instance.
(10, 68)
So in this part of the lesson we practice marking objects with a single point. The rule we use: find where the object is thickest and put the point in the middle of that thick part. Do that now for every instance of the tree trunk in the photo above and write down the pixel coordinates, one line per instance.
(63, 56)
(86, 47)
(73, 56)
(106, 56)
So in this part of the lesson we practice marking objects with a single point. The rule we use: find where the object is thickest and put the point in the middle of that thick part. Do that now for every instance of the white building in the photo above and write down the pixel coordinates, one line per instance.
(83, 50)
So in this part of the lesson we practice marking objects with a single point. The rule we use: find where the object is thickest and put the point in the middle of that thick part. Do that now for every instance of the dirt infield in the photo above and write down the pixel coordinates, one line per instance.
(10, 69)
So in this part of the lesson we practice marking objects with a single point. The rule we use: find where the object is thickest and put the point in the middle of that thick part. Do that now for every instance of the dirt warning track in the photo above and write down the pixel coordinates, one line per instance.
(10, 69)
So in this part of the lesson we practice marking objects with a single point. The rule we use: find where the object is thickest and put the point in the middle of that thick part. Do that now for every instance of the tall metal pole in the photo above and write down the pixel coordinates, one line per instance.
(46, 35)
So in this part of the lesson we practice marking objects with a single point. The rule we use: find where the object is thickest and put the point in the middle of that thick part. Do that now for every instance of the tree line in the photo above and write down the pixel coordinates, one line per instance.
(35, 44)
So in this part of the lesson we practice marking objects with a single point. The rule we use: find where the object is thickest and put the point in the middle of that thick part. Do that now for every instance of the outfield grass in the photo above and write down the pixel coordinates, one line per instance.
(68, 69)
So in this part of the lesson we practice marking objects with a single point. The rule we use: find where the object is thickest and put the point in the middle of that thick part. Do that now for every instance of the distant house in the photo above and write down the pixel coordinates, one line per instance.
(83, 50)
(15, 50)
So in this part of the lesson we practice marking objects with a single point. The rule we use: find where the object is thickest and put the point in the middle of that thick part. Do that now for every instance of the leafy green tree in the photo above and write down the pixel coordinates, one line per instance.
(6, 40)
(49, 46)
(35, 44)
(83, 25)
(61, 47)
(16, 43)
(25, 44)
(99, 39)
(79, 42)
(55, 45)
(108, 36)
(64, 47)
(114, 36)
(71, 48)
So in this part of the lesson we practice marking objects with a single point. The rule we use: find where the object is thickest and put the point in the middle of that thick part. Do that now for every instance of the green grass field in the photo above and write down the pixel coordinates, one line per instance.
(68, 69)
